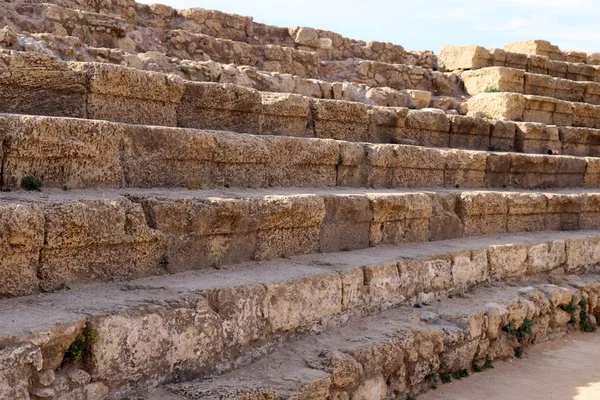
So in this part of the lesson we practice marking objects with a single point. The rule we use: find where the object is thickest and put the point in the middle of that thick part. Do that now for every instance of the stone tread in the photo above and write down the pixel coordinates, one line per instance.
(191, 324)
(303, 369)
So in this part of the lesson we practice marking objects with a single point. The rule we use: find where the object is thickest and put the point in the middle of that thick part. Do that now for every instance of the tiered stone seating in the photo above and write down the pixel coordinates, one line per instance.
(199, 239)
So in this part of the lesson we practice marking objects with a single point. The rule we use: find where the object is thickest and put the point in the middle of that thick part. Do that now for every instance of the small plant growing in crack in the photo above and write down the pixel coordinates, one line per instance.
(462, 373)
(79, 348)
(410, 397)
(432, 378)
(164, 261)
(585, 322)
(492, 89)
(518, 352)
(31, 183)
(488, 364)
(571, 308)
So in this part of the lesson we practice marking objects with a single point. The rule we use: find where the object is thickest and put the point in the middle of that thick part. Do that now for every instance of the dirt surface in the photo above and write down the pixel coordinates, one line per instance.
(565, 369)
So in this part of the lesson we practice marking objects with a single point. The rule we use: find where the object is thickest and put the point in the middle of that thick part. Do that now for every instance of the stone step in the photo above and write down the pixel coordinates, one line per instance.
(55, 239)
(43, 85)
(530, 108)
(396, 76)
(504, 79)
(454, 58)
(158, 330)
(68, 48)
(81, 153)
(552, 52)
(407, 351)
(129, 25)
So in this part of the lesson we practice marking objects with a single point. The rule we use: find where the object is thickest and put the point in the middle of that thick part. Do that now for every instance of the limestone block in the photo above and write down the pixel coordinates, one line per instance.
(536, 47)
(569, 90)
(347, 223)
(21, 240)
(464, 57)
(526, 212)
(469, 268)
(469, 133)
(558, 69)
(302, 161)
(502, 135)
(578, 141)
(497, 78)
(427, 128)
(240, 306)
(563, 211)
(421, 98)
(71, 152)
(352, 168)
(285, 114)
(383, 285)
(400, 219)
(533, 171)
(590, 209)
(546, 257)
(133, 345)
(157, 156)
(16, 369)
(536, 138)
(444, 223)
(298, 305)
(482, 212)
(592, 93)
(206, 105)
(305, 36)
(464, 168)
(579, 71)
(516, 60)
(41, 85)
(497, 170)
(502, 106)
(537, 64)
(582, 254)
(540, 85)
(571, 172)
(81, 246)
(387, 124)
(540, 109)
(592, 173)
(124, 94)
(340, 120)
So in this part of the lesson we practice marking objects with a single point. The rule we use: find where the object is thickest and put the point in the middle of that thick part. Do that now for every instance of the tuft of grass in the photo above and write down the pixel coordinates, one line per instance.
(492, 89)
(410, 397)
(79, 348)
(412, 107)
(66, 188)
(185, 70)
(31, 183)
(446, 377)
(477, 368)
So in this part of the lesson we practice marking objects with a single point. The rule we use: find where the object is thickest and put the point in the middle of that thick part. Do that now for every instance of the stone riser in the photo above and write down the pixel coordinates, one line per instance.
(529, 108)
(188, 325)
(476, 57)
(80, 153)
(69, 238)
(142, 25)
(518, 81)
(405, 351)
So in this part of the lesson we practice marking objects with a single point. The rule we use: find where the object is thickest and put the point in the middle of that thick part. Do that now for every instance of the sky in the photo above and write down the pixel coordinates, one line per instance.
(429, 25)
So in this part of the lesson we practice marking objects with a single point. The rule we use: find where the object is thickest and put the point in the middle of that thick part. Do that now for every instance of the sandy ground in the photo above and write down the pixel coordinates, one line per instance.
(566, 369)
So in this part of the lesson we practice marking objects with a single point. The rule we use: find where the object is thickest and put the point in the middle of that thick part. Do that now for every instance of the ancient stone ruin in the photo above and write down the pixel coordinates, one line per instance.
(196, 205)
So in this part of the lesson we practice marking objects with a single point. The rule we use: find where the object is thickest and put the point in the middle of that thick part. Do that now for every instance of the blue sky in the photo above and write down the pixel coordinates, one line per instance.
(420, 25)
